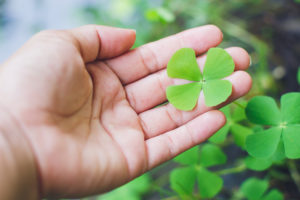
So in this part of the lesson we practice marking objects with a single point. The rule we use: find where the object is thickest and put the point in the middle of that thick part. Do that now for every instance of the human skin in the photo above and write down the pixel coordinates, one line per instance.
(78, 111)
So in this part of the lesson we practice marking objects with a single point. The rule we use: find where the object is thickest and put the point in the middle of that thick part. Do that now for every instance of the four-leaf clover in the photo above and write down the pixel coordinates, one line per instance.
(284, 125)
(183, 65)
(209, 183)
(233, 119)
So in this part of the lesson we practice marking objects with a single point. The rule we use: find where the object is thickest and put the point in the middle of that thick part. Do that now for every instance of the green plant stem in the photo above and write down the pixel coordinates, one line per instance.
(294, 173)
(239, 105)
(233, 170)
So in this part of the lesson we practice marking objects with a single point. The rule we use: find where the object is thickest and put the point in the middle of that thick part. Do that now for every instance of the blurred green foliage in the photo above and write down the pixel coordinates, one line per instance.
(258, 26)
(132, 190)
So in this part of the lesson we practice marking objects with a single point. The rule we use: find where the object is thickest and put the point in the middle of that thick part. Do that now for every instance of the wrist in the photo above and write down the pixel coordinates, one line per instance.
(17, 170)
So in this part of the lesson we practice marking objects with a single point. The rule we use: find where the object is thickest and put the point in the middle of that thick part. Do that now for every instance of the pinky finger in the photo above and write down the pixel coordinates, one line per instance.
(168, 145)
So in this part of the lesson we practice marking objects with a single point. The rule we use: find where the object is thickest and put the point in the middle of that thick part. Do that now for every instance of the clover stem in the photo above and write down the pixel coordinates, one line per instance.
(239, 105)
(233, 170)
(294, 173)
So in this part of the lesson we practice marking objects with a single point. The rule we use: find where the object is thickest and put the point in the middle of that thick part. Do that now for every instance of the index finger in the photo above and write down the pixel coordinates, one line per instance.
(154, 56)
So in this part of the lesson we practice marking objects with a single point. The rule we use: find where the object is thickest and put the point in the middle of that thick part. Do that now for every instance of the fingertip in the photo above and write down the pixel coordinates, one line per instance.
(241, 57)
(206, 124)
(115, 41)
(242, 83)
(218, 117)
(217, 30)
(215, 35)
(246, 81)
(202, 38)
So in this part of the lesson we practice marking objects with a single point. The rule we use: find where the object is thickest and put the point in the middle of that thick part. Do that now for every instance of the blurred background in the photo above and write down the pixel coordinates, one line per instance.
(268, 29)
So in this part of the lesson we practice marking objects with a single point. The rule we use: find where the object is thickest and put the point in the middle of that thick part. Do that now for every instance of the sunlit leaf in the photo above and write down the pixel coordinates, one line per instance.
(183, 65)
(184, 97)
(211, 155)
(209, 183)
(219, 64)
(290, 107)
(263, 110)
(291, 140)
(183, 180)
(216, 91)
(188, 157)
(254, 188)
(263, 144)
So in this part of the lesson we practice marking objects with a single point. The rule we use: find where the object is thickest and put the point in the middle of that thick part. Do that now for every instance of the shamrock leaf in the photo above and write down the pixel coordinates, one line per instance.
(260, 164)
(183, 179)
(255, 189)
(183, 65)
(209, 183)
(212, 155)
(257, 164)
(284, 125)
(239, 132)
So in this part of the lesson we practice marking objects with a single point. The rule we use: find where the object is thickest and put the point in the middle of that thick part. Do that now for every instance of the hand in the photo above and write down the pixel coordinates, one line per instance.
(86, 104)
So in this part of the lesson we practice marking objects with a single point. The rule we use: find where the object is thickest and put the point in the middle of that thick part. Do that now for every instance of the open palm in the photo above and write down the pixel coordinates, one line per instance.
(87, 104)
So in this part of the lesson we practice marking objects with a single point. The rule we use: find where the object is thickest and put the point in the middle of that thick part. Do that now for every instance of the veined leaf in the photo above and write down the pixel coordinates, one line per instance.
(216, 91)
(184, 97)
(218, 65)
(183, 65)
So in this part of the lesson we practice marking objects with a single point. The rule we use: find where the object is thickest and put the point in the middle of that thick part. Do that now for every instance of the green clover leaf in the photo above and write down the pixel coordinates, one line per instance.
(284, 125)
(234, 116)
(255, 189)
(184, 179)
(183, 65)
(260, 164)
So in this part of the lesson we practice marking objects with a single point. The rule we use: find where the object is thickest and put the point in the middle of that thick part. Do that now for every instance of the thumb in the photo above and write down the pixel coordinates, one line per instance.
(102, 42)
